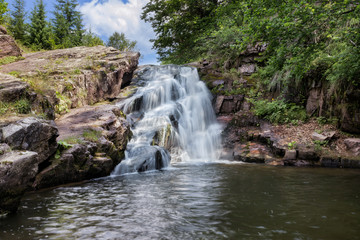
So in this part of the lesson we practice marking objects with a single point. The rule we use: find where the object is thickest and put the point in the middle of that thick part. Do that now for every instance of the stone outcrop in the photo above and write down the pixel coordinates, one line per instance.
(31, 134)
(8, 46)
(97, 137)
(17, 170)
(75, 77)
(11, 88)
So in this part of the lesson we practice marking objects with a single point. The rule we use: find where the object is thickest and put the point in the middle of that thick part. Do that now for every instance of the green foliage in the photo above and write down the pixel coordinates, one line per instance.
(39, 28)
(120, 42)
(67, 24)
(10, 59)
(3, 10)
(90, 39)
(21, 106)
(318, 145)
(17, 22)
(278, 111)
(177, 24)
(292, 145)
(63, 105)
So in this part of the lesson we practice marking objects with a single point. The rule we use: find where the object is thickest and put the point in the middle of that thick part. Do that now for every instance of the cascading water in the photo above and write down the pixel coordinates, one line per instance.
(172, 118)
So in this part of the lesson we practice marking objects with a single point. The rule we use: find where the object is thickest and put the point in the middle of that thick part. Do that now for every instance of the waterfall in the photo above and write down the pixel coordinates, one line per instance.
(172, 119)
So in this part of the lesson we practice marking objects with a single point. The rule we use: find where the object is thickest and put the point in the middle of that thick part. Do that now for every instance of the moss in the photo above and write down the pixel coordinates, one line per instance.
(91, 135)
(63, 105)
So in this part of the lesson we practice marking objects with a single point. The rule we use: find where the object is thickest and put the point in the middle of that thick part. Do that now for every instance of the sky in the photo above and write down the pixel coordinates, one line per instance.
(104, 17)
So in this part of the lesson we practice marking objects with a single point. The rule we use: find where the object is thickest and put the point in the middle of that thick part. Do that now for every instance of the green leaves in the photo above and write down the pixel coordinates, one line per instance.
(120, 42)
(3, 10)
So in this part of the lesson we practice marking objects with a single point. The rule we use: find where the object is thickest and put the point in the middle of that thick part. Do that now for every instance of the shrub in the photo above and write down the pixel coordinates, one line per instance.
(278, 111)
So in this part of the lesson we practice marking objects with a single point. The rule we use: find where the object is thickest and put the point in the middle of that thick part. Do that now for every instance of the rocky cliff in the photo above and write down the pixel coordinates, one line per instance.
(84, 141)
(7, 45)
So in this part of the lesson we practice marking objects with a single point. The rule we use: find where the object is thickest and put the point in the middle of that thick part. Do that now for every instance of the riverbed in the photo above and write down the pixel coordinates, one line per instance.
(220, 200)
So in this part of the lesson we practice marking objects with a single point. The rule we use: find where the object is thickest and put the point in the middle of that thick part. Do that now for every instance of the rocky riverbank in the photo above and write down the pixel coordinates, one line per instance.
(49, 133)
(328, 137)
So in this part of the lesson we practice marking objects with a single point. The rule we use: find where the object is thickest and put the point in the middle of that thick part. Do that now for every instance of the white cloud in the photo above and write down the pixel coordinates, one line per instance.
(106, 17)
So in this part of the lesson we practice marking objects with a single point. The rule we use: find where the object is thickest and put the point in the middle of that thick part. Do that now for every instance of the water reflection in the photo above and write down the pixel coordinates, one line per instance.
(208, 201)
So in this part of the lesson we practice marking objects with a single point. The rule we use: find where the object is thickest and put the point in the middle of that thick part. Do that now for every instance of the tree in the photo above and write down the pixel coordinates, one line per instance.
(119, 41)
(39, 29)
(3, 10)
(90, 39)
(177, 24)
(68, 27)
(17, 22)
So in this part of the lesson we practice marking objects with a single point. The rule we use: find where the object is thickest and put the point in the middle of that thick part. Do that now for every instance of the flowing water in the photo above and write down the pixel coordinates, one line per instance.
(194, 196)
(173, 120)
(197, 201)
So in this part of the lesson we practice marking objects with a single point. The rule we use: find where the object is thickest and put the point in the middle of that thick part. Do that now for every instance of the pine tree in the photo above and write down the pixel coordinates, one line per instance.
(17, 22)
(68, 27)
(39, 29)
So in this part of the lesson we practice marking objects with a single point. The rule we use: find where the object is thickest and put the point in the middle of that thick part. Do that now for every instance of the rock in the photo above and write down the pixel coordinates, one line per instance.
(247, 69)
(330, 161)
(353, 145)
(313, 101)
(79, 76)
(11, 88)
(217, 83)
(4, 148)
(17, 169)
(8, 45)
(307, 154)
(228, 104)
(318, 137)
(290, 155)
(32, 134)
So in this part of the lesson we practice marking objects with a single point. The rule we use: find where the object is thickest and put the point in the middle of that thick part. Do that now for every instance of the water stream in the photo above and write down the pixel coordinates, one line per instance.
(173, 120)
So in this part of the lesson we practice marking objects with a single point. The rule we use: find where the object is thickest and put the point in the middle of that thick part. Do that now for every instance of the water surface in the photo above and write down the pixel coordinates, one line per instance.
(197, 201)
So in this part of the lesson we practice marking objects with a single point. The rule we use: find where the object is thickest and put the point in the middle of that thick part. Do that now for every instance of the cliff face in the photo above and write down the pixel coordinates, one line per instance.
(61, 84)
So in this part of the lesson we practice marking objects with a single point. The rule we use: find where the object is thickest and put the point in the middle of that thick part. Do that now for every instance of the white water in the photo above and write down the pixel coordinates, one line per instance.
(173, 107)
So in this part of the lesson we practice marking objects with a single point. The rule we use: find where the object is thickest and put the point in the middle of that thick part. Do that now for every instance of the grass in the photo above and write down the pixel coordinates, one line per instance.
(21, 106)
(10, 59)
(91, 135)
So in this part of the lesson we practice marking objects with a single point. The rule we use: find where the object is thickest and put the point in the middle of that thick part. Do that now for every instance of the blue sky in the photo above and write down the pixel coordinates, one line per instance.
(107, 16)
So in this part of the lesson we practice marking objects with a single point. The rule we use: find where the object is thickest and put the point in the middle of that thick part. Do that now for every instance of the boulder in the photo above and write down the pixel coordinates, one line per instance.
(353, 145)
(17, 169)
(247, 69)
(228, 104)
(11, 88)
(8, 45)
(318, 137)
(32, 134)
(290, 155)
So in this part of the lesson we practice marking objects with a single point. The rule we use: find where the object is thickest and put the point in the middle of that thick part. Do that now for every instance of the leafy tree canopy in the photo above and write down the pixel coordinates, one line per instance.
(120, 42)
(3, 10)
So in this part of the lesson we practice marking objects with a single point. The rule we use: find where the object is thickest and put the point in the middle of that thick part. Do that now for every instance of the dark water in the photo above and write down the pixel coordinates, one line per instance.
(204, 201)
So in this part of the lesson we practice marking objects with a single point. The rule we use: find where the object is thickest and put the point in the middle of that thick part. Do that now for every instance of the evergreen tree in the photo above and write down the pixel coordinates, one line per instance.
(3, 10)
(119, 41)
(17, 22)
(39, 29)
(90, 39)
(68, 27)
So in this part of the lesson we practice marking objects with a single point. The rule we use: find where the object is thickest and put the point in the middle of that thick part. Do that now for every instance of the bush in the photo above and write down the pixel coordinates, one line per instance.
(278, 111)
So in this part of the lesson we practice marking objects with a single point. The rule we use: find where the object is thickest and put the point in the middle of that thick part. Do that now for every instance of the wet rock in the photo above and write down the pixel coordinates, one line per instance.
(17, 169)
(350, 163)
(290, 155)
(32, 134)
(330, 161)
(353, 145)
(305, 153)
